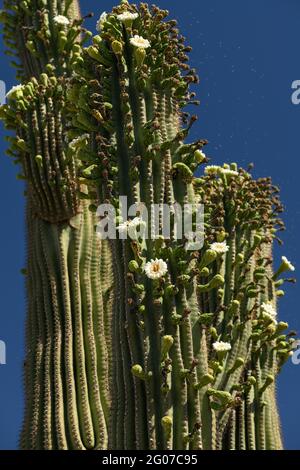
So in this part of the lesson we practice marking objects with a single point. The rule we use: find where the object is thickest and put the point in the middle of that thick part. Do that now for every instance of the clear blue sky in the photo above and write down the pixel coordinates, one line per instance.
(247, 56)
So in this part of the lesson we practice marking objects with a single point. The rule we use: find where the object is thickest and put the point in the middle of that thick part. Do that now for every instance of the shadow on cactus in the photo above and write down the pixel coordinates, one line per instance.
(139, 344)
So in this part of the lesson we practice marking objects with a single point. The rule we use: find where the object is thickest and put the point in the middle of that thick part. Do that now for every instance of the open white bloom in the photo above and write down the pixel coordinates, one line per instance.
(61, 20)
(13, 92)
(212, 170)
(221, 346)
(219, 248)
(78, 140)
(123, 228)
(129, 225)
(228, 172)
(288, 264)
(269, 311)
(127, 16)
(156, 268)
(101, 21)
(140, 42)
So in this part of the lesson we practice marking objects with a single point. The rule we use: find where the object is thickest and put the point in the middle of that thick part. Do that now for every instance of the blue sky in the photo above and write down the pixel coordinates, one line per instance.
(247, 56)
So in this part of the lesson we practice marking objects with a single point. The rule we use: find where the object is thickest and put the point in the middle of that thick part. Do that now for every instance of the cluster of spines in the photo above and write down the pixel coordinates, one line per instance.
(35, 39)
(36, 113)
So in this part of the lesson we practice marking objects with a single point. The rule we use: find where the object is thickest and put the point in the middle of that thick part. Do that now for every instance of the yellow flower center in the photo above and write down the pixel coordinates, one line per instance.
(155, 267)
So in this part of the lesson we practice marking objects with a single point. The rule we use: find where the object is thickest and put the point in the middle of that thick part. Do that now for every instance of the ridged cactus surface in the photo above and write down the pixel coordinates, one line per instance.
(138, 343)
(68, 273)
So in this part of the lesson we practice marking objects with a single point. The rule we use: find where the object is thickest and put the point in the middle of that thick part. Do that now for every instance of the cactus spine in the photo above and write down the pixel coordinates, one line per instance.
(178, 349)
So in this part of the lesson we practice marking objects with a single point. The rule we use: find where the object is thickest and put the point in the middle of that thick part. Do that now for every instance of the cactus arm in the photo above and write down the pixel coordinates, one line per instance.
(66, 372)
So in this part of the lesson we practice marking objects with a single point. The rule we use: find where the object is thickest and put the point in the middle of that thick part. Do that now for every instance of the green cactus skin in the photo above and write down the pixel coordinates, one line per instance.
(122, 361)
(69, 275)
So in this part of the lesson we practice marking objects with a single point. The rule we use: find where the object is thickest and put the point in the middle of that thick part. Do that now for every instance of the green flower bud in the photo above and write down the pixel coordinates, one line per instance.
(199, 156)
(251, 380)
(238, 363)
(184, 279)
(233, 308)
(39, 160)
(167, 424)
(166, 344)
(213, 332)
(184, 171)
(171, 291)
(44, 79)
(206, 318)
(221, 236)
(138, 288)
(217, 281)
(97, 40)
(117, 47)
(205, 380)
(137, 371)
(94, 53)
(176, 319)
(208, 257)
(133, 266)
(257, 240)
(240, 259)
(140, 56)
(269, 380)
(224, 397)
(282, 326)
(204, 272)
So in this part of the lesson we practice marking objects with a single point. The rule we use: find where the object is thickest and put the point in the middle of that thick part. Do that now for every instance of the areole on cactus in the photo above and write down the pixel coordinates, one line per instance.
(137, 344)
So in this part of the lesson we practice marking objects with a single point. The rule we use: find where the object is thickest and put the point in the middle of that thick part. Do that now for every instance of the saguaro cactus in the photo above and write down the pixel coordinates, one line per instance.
(185, 353)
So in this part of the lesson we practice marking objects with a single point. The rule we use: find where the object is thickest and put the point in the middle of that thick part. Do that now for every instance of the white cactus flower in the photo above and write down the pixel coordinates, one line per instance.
(127, 16)
(129, 225)
(221, 346)
(156, 268)
(287, 264)
(15, 91)
(212, 170)
(140, 42)
(61, 20)
(219, 247)
(101, 21)
(269, 311)
(228, 172)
